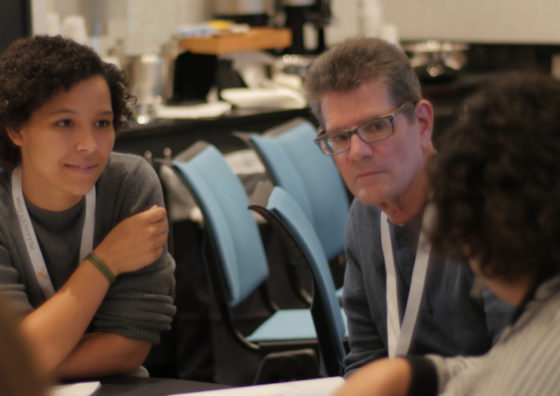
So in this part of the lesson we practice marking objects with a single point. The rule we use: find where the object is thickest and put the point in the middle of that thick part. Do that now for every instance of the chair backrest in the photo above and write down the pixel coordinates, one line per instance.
(283, 212)
(297, 165)
(233, 231)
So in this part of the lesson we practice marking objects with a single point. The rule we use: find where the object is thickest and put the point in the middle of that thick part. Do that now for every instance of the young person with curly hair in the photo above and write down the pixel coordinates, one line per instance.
(83, 231)
(496, 201)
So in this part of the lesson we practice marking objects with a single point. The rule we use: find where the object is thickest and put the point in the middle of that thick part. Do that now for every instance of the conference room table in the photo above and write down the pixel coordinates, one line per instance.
(130, 386)
(135, 386)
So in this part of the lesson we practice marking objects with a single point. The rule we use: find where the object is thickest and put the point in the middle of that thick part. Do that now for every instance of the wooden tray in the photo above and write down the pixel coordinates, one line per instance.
(257, 38)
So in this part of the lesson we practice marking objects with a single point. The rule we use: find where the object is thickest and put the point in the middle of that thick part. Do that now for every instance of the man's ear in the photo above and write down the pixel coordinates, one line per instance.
(15, 136)
(425, 118)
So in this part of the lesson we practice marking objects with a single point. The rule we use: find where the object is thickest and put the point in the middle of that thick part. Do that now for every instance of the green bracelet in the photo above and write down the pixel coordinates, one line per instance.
(102, 267)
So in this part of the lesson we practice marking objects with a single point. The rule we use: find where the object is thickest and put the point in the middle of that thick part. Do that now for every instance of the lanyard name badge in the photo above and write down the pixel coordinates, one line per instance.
(399, 336)
(30, 238)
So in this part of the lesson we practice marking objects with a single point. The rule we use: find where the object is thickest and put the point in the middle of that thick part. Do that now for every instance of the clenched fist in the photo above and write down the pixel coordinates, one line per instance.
(135, 242)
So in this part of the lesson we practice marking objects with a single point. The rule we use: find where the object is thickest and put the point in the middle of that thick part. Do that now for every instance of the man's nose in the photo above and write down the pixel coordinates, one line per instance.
(358, 148)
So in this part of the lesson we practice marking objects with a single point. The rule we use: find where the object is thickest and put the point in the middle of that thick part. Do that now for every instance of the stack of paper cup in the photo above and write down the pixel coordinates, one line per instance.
(75, 28)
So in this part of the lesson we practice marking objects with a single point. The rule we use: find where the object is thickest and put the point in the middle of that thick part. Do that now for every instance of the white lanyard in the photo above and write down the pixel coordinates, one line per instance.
(399, 336)
(30, 238)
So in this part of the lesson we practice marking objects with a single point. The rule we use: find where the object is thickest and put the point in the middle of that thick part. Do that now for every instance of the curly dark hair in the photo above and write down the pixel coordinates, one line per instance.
(496, 179)
(33, 70)
(357, 61)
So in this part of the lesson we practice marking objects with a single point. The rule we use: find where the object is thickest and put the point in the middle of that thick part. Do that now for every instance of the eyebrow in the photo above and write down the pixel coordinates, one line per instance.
(65, 110)
(359, 124)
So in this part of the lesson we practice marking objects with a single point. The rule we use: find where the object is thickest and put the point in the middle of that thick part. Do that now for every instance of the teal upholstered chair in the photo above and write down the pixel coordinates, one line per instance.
(284, 213)
(236, 259)
(296, 164)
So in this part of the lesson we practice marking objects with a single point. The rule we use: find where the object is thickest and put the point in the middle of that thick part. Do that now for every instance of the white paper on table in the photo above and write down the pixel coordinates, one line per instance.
(316, 387)
(76, 389)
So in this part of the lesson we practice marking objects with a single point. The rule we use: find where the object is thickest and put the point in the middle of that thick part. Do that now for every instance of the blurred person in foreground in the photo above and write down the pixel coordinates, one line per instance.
(399, 297)
(83, 231)
(496, 201)
(19, 372)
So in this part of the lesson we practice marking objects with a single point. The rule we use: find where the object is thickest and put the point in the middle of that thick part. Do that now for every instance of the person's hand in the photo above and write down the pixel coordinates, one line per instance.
(135, 242)
(384, 377)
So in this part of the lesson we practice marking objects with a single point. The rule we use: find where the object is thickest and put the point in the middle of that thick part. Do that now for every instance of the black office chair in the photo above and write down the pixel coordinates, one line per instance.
(237, 265)
(284, 213)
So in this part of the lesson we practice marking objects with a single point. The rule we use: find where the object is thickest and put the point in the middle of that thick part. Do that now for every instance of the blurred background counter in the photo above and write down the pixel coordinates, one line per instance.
(178, 134)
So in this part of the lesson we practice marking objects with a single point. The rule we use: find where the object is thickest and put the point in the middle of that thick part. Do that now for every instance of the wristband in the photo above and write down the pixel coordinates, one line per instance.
(102, 267)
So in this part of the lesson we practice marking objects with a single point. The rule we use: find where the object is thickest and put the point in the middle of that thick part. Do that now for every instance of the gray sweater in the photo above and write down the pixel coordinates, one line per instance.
(449, 320)
(139, 304)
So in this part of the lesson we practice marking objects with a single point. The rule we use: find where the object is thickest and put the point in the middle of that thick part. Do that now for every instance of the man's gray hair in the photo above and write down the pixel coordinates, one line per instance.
(354, 62)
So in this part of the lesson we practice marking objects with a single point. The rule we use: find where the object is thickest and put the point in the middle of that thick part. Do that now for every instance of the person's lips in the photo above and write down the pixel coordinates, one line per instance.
(364, 175)
(82, 168)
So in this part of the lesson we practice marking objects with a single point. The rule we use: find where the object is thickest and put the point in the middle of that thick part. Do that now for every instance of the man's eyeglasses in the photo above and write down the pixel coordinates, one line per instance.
(373, 130)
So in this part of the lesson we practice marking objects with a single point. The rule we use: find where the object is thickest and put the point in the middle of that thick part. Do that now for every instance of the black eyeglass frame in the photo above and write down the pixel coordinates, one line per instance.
(321, 139)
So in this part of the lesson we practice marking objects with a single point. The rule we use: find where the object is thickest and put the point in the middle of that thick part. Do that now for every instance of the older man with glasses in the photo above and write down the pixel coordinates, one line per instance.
(399, 297)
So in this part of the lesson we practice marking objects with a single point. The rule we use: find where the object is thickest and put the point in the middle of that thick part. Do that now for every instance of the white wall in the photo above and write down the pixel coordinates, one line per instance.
(344, 22)
(476, 21)
(151, 23)
(144, 25)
